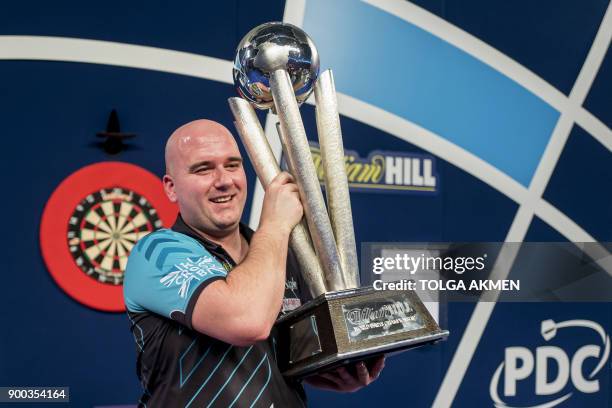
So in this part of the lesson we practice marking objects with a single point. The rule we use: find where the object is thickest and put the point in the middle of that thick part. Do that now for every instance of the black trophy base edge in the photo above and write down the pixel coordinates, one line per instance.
(347, 359)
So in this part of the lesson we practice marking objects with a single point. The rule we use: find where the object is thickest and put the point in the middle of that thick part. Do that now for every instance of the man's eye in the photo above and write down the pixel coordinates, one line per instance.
(203, 170)
(233, 166)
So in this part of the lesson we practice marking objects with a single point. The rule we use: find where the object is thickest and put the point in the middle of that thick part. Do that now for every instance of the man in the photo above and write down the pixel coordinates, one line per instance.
(203, 297)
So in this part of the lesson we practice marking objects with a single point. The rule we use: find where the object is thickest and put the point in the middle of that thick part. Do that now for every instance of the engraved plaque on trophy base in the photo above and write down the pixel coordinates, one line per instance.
(351, 325)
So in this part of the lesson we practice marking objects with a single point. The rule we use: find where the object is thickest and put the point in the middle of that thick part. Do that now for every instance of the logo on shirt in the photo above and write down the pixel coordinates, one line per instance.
(90, 224)
(185, 272)
(291, 284)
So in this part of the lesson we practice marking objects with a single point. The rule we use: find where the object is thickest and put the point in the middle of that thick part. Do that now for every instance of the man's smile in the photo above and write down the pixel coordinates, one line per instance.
(223, 199)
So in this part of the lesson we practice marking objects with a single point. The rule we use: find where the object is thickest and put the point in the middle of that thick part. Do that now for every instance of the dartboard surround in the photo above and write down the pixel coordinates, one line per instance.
(91, 223)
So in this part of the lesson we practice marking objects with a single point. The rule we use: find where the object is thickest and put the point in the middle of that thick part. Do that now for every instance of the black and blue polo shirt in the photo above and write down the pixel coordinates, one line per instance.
(178, 366)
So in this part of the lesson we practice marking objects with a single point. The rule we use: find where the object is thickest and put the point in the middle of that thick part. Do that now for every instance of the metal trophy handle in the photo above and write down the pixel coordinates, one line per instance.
(295, 146)
(276, 67)
(336, 182)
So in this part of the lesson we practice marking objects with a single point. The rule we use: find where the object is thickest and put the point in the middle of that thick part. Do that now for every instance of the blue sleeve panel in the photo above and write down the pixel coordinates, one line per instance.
(165, 273)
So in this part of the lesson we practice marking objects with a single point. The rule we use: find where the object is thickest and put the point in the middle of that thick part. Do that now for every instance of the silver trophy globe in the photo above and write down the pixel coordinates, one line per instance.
(277, 68)
(270, 47)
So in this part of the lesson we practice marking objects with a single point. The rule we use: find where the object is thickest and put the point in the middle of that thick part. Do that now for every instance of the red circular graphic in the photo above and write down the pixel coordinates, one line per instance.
(60, 208)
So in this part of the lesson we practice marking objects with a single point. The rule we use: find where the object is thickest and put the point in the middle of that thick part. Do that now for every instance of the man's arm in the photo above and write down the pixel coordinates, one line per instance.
(242, 309)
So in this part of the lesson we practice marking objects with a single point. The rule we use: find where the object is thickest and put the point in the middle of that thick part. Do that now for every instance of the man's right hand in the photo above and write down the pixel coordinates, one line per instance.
(248, 301)
(282, 208)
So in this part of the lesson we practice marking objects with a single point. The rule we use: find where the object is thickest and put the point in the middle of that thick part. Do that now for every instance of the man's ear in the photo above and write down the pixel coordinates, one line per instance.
(169, 188)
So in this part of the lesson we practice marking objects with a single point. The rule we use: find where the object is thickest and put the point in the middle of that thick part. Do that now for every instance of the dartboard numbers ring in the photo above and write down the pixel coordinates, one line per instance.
(104, 227)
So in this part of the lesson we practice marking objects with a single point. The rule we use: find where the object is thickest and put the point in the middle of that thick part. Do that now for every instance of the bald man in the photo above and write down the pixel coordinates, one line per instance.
(203, 296)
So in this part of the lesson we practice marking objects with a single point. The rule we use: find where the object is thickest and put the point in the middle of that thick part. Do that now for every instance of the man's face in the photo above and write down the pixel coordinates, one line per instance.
(207, 180)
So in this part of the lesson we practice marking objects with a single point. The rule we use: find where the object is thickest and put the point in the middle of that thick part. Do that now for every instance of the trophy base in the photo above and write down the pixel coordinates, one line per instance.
(339, 327)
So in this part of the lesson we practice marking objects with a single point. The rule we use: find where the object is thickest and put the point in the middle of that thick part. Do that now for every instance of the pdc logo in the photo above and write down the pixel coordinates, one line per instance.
(521, 363)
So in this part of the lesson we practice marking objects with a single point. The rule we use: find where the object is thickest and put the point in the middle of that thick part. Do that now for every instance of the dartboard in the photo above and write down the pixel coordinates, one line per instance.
(91, 223)
(103, 229)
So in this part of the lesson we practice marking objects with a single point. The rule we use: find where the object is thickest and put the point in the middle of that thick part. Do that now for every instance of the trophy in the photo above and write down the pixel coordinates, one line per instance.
(277, 68)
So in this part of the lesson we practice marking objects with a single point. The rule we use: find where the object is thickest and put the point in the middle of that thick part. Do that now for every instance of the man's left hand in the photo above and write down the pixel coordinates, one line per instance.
(342, 380)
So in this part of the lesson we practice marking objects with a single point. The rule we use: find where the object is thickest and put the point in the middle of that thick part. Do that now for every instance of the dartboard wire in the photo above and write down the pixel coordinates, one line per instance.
(136, 222)
(116, 214)
(109, 214)
(120, 250)
(133, 237)
(128, 245)
(94, 251)
(107, 262)
(121, 221)
(88, 234)
(125, 210)
(94, 219)
(122, 253)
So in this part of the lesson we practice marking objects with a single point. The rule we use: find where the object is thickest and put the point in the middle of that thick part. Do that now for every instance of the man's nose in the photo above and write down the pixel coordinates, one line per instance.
(223, 179)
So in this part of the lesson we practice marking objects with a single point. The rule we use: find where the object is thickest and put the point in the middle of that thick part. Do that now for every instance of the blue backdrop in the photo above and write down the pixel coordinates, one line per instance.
(498, 93)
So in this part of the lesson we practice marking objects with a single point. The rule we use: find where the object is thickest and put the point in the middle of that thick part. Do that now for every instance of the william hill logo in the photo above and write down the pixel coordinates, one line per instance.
(385, 171)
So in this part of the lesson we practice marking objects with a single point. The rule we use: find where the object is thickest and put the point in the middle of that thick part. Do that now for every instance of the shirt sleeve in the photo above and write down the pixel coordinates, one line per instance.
(166, 272)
